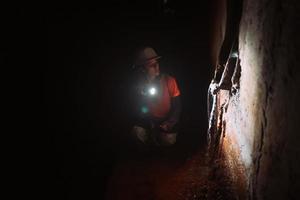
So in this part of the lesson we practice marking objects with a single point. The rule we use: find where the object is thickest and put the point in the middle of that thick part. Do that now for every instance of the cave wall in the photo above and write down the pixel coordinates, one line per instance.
(261, 134)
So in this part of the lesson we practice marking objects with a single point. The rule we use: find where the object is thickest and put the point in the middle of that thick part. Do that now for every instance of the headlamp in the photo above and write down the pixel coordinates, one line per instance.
(152, 91)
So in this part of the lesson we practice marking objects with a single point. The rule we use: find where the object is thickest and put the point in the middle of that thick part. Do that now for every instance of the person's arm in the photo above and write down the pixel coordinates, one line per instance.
(174, 114)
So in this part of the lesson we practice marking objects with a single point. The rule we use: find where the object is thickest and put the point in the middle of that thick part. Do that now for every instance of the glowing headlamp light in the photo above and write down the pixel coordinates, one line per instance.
(152, 91)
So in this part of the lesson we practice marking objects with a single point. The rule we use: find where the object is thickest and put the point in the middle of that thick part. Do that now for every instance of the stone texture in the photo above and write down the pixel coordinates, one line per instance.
(262, 136)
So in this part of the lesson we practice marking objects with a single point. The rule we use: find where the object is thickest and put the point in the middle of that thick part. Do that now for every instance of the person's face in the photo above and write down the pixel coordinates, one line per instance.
(152, 69)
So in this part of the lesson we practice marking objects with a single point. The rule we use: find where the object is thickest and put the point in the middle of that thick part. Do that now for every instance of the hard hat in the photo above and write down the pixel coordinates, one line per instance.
(145, 56)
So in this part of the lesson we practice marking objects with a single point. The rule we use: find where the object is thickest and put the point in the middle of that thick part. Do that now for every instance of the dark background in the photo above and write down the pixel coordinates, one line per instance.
(86, 106)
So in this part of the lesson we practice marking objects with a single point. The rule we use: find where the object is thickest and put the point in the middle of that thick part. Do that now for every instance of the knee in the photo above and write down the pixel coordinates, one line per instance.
(139, 133)
(168, 139)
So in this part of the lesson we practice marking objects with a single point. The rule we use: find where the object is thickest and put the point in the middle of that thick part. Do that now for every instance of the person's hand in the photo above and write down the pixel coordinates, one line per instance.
(166, 126)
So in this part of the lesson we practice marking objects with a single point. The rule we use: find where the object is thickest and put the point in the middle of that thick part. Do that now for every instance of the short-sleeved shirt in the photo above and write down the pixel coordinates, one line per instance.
(161, 106)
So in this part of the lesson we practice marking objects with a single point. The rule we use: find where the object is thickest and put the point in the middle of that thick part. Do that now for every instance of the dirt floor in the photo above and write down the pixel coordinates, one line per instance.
(169, 175)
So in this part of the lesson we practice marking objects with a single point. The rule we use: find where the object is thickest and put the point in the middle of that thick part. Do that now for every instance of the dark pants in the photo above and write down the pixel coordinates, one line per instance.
(148, 132)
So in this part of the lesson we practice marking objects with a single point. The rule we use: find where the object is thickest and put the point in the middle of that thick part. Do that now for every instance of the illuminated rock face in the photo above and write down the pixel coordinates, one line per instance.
(262, 139)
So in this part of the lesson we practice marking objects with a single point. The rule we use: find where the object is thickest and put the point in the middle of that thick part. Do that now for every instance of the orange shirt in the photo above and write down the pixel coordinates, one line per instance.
(160, 107)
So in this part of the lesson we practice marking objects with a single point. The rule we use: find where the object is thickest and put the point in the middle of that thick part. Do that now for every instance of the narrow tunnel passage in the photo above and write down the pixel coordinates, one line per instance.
(189, 170)
(249, 56)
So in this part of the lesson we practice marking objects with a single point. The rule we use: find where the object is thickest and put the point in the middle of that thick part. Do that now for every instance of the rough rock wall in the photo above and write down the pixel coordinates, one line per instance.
(262, 137)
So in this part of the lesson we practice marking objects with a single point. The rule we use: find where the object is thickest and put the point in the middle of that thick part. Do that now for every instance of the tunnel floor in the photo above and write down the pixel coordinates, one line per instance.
(177, 174)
